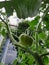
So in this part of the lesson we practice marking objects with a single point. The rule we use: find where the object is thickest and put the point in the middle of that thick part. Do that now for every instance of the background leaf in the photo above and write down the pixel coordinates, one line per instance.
(24, 8)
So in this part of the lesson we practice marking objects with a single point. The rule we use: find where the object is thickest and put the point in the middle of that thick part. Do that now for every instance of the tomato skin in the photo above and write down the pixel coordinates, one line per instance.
(26, 40)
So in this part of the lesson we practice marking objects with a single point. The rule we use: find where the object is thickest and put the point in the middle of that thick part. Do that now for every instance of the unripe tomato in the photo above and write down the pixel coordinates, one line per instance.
(26, 40)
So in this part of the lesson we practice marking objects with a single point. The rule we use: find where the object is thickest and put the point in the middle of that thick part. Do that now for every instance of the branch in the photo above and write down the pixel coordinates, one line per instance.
(44, 54)
(35, 55)
(3, 21)
(15, 37)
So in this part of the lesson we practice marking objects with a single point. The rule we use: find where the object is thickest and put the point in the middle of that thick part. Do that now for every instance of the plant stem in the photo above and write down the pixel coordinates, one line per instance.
(44, 54)
(35, 55)
(36, 41)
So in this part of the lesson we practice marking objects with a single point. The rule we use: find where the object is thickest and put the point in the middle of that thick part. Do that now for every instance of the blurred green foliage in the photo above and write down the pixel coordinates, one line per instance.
(39, 34)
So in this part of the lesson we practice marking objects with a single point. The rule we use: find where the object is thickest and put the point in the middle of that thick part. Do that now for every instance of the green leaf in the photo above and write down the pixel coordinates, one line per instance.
(46, 60)
(46, 1)
(15, 62)
(22, 63)
(0, 25)
(46, 21)
(24, 8)
(31, 60)
(32, 24)
(3, 32)
(22, 26)
(47, 43)
(42, 35)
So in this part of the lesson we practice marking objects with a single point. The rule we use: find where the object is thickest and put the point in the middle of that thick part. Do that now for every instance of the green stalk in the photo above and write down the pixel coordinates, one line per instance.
(36, 41)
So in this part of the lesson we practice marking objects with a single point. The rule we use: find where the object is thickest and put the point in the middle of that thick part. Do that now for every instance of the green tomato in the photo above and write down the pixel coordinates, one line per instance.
(26, 40)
